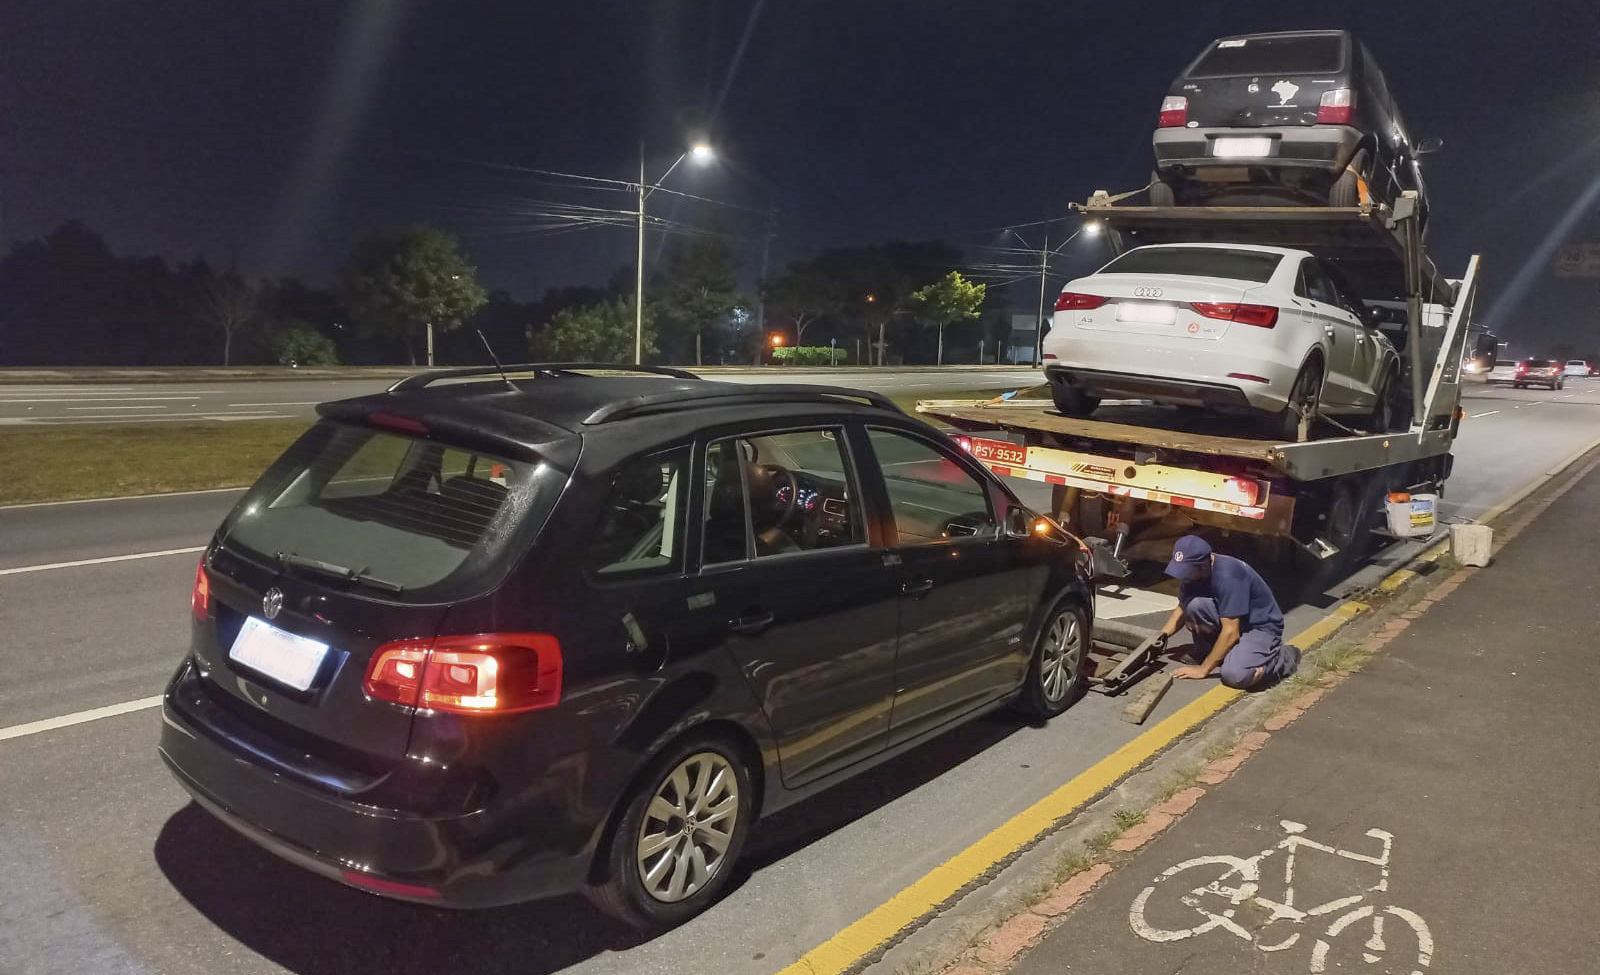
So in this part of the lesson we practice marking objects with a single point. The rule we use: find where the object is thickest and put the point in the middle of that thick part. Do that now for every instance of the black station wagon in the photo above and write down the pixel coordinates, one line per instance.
(477, 640)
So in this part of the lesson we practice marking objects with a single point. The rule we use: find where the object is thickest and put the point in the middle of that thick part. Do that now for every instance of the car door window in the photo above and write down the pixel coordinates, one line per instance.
(1318, 287)
(933, 497)
(642, 519)
(780, 493)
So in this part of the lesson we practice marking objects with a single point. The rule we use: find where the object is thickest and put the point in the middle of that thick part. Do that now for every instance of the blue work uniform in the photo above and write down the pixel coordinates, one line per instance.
(1234, 590)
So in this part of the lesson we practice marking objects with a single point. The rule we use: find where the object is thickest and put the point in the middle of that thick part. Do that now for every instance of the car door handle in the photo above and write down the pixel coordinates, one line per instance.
(751, 623)
(917, 588)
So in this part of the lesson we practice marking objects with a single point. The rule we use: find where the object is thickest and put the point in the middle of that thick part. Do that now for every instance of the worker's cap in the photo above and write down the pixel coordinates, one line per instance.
(1189, 555)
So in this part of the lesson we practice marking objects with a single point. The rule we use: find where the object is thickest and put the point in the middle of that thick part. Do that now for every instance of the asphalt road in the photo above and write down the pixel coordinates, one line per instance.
(80, 403)
(109, 869)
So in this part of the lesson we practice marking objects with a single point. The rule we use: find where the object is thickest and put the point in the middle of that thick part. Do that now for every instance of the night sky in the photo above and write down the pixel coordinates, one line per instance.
(269, 134)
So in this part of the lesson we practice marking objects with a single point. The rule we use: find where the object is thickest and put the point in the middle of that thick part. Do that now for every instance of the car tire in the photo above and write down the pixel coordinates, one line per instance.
(1071, 401)
(709, 766)
(1055, 674)
(1346, 190)
(1161, 193)
(1304, 398)
(1381, 419)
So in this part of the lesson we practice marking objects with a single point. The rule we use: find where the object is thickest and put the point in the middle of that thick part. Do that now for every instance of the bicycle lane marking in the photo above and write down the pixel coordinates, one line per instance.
(1246, 889)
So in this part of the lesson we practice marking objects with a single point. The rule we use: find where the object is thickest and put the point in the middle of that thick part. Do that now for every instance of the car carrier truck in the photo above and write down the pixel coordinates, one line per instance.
(1134, 477)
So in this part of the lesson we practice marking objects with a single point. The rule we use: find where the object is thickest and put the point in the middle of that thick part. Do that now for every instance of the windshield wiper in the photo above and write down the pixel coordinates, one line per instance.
(290, 559)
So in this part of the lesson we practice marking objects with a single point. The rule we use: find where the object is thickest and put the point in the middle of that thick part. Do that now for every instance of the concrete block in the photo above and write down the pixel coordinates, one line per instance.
(1471, 544)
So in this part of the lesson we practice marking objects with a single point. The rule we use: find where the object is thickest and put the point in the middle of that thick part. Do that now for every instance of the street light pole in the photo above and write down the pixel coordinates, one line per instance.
(1045, 253)
(701, 152)
(638, 282)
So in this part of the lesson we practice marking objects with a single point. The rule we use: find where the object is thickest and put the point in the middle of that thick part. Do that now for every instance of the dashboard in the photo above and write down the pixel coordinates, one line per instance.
(807, 500)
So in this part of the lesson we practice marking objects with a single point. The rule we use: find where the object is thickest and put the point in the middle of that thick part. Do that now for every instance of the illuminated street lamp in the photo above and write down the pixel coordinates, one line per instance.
(777, 339)
(701, 153)
(1090, 227)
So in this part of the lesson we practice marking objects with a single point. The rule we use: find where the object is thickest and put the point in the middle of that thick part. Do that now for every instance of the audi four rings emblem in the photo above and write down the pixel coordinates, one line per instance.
(1147, 292)
(272, 603)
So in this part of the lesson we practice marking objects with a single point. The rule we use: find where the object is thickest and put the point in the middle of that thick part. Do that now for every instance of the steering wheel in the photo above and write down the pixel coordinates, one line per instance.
(785, 478)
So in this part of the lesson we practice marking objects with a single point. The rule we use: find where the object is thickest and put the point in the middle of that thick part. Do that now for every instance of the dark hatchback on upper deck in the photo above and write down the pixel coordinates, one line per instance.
(475, 641)
(1299, 117)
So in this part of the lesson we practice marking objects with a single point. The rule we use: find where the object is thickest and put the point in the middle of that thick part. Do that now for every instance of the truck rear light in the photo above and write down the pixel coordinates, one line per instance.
(1335, 107)
(1261, 316)
(483, 673)
(1174, 112)
(965, 443)
(200, 598)
(1076, 301)
(1050, 355)
(1242, 490)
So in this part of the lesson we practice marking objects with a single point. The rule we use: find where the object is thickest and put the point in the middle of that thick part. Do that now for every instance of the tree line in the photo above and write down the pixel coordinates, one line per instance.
(67, 299)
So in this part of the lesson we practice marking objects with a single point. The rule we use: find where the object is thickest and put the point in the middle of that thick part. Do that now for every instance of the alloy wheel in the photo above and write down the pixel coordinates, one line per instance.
(1062, 657)
(687, 828)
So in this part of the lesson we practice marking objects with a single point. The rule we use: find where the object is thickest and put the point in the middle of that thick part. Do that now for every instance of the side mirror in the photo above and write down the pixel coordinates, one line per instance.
(1019, 522)
(1429, 145)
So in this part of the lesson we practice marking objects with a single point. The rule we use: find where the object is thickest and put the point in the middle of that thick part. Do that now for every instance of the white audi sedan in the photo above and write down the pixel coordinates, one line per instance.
(1226, 327)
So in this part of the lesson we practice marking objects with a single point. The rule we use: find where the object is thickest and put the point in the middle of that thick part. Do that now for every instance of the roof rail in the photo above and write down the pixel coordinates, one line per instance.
(730, 394)
(547, 370)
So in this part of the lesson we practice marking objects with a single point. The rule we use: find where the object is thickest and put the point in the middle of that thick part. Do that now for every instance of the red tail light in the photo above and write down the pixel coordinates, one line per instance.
(1261, 316)
(1521, 369)
(404, 424)
(1174, 112)
(200, 598)
(484, 673)
(1335, 108)
(1074, 301)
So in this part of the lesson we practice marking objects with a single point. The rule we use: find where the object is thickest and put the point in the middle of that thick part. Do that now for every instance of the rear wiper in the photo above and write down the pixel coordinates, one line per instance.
(290, 559)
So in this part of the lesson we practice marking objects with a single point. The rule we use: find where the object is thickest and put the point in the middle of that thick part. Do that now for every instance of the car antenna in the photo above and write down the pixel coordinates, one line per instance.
(496, 360)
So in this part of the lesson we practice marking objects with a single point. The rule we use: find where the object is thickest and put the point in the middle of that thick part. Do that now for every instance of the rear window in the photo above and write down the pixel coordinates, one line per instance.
(1249, 56)
(404, 512)
(1505, 364)
(1536, 363)
(1203, 262)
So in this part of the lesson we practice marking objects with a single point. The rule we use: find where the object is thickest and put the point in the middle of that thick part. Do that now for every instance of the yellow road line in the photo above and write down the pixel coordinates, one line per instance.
(1396, 579)
(943, 882)
(946, 880)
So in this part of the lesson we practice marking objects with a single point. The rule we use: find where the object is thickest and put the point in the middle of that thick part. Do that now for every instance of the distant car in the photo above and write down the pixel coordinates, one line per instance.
(477, 642)
(1299, 117)
(1504, 371)
(1578, 367)
(1224, 327)
(1539, 372)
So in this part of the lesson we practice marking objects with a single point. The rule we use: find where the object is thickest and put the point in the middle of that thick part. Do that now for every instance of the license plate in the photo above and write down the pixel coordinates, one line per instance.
(1241, 147)
(999, 452)
(285, 657)
(1145, 312)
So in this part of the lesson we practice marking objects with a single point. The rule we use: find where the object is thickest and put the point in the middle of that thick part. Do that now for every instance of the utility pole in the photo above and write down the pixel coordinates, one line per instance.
(1038, 323)
(638, 281)
(761, 282)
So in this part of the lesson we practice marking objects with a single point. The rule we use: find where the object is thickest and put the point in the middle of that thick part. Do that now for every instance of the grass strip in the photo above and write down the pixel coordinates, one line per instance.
(65, 463)
(69, 462)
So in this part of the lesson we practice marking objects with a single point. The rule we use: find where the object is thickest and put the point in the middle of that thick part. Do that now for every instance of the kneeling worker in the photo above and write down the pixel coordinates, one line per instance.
(1232, 615)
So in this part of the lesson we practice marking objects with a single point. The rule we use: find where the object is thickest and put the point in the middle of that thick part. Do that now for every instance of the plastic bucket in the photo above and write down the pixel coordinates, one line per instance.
(1411, 515)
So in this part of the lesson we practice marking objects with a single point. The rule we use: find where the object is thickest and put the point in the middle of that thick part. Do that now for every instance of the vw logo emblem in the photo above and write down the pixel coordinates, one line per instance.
(1147, 292)
(272, 603)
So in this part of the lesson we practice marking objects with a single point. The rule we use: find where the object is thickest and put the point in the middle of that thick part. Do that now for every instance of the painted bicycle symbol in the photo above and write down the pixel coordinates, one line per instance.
(1227, 893)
